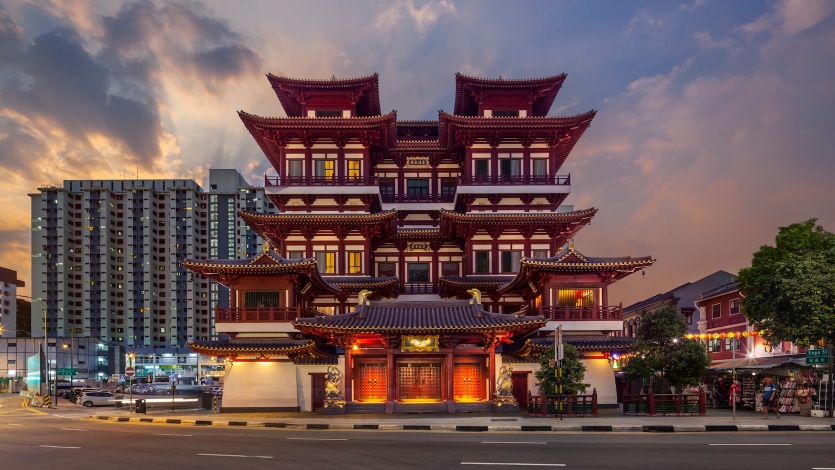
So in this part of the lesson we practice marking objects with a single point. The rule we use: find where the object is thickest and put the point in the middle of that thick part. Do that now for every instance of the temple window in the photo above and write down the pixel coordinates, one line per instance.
(505, 113)
(540, 253)
(575, 298)
(295, 254)
(510, 164)
(354, 168)
(734, 304)
(511, 261)
(326, 262)
(328, 113)
(418, 272)
(386, 269)
(482, 262)
(417, 186)
(294, 168)
(387, 187)
(323, 167)
(449, 268)
(540, 167)
(481, 167)
(261, 299)
(354, 262)
(716, 311)
(448, 187)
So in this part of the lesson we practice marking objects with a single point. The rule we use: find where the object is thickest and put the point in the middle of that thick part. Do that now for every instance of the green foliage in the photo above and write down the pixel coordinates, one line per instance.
(790, 287)
(573, 372)
(661, 350)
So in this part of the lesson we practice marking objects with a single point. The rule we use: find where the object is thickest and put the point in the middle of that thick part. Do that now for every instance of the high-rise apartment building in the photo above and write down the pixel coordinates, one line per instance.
(8, 301)
(106, 261)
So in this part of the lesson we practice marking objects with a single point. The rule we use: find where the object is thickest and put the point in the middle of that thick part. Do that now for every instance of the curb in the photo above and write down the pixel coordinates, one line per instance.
(458, 428)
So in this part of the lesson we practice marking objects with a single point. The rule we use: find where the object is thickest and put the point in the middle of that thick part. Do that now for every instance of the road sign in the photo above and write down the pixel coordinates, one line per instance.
(130, 371)
(817, 360)
(66, 371)
(817, 352)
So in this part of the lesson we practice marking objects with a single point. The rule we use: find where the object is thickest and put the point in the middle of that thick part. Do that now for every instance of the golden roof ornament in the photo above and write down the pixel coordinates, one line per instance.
(266, 246)
(476, 296)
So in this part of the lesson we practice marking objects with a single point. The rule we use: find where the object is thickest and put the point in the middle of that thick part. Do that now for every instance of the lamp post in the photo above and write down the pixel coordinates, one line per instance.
(45, 337)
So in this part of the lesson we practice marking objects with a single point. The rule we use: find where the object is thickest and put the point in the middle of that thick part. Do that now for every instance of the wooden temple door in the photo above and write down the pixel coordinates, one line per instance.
(370, 382)
(520, 388)
(468, 382)
(419, 381)
(317, 386)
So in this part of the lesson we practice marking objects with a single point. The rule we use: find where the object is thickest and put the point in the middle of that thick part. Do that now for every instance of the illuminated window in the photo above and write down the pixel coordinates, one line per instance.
(326, 262)
(354, 262)
(354, 168)
(323, 168)
(575, 298)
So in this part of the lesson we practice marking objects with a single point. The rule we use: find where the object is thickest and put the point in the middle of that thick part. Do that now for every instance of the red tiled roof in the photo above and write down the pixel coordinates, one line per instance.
(420, 317)
(254, 347)
(287, 89)
(543, 90)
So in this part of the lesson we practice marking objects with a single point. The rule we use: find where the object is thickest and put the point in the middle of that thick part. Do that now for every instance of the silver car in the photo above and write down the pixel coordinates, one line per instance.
(97, 398)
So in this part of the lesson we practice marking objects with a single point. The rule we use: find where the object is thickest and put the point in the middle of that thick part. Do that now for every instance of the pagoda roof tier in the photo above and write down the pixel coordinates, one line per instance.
(419, 318)
(562, 133)
(613, 344)
(541, 92)
(268, 262)
(277, 227)
(387, 286)
(457, 286)
(425, 130)
(534, 271)
(293, 93)
(272, 133)
(256, 348)
(560, 225)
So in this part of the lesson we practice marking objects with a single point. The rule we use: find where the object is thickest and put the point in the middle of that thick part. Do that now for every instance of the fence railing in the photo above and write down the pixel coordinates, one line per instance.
(418, 288)
(595, 313)
(573, 406)
(665, 404)
(321, 181)
(417, 197)
(557, 180)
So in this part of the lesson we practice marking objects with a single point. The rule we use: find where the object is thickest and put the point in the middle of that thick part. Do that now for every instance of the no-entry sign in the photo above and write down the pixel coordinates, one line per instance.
(130, 371)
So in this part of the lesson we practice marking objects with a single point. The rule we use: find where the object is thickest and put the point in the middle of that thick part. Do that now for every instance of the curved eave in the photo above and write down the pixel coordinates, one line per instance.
(254, 349)
(321, 325)
(318, 219)
(493, 218)
(548, 87)
(611, 271)
(282, 85)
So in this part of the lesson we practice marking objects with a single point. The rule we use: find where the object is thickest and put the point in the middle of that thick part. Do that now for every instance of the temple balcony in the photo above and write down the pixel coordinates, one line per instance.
(434, 198)
(500, 180)
(583, 318)
(418, 288)
(256, 319)
(321, 185)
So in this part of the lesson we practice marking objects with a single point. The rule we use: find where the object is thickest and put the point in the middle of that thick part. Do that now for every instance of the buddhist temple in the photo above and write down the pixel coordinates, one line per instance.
(412, 262)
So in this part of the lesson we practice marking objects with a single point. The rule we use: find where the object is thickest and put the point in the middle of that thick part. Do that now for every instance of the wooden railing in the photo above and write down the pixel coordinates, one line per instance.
(573, 406)
(557, 180)
(666, 404)
(418, 197)
(418, 288)
(321, 181)
(256, 314)
(595, 313)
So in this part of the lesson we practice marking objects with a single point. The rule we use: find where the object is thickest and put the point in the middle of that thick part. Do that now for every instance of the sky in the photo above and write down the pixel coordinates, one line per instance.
(714, 125)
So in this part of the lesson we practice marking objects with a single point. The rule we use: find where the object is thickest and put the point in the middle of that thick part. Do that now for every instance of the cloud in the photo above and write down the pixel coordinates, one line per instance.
(706, 40)
(791, 17)
(423, 16)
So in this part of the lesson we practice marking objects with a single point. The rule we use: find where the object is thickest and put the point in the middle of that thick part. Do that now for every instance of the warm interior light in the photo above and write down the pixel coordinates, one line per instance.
(355, 347)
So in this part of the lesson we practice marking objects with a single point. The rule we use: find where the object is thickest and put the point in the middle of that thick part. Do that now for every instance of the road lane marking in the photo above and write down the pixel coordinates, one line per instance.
(15, 424)
(312, 439)
(749, 444)
(516, 464)
(241, 456)
(513, 442)
(181, 435)
(59, 447)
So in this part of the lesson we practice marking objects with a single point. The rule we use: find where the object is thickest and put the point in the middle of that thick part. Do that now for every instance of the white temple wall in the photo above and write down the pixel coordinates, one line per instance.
(260, 385)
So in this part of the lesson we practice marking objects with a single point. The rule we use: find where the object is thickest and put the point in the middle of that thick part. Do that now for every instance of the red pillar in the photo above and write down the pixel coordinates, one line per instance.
(349, 375)
(492, 374)
(450, 389)
(391, 391)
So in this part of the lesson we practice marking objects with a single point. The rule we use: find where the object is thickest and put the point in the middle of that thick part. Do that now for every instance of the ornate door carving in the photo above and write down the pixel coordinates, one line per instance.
(468, 382)
(419, 381)
(370, 382)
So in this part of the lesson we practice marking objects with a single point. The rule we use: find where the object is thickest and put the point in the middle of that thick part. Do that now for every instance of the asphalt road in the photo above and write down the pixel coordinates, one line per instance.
(64, 438)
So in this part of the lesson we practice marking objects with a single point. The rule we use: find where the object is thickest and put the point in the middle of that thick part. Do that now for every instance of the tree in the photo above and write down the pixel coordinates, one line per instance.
(661, 350)
(573, 372)
(790, 287)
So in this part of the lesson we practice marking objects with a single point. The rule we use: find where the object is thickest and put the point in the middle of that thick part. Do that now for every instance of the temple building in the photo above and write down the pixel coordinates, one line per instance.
(412, 264)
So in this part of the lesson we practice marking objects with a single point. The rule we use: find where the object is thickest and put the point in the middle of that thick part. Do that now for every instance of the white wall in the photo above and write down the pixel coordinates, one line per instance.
(260, 385)
(600, 376)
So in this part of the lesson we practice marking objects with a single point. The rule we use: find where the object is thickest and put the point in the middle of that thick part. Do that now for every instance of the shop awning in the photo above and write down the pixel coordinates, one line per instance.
(766, 362)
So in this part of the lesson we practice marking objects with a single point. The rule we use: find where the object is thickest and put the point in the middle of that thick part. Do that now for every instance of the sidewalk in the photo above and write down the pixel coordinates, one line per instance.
(609, 420)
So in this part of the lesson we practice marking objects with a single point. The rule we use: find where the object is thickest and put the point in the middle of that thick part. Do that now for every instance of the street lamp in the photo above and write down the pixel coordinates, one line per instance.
(45, 339)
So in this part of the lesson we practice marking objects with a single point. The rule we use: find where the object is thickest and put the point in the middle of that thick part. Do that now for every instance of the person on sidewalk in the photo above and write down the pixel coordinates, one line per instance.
(770, 397)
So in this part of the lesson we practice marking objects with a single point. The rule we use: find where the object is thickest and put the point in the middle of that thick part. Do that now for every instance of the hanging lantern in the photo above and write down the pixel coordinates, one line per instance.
(702, 336)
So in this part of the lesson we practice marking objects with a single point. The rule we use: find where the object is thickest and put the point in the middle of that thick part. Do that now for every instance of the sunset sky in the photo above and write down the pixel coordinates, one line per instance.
(714, 126)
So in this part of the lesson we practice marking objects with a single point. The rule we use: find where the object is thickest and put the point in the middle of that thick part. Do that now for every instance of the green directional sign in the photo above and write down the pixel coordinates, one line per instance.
(66, 371)
(817, 352)
(817, 360)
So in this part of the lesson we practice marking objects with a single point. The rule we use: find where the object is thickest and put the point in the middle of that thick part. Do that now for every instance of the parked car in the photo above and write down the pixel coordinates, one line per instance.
(76, 392)
(97, 398)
